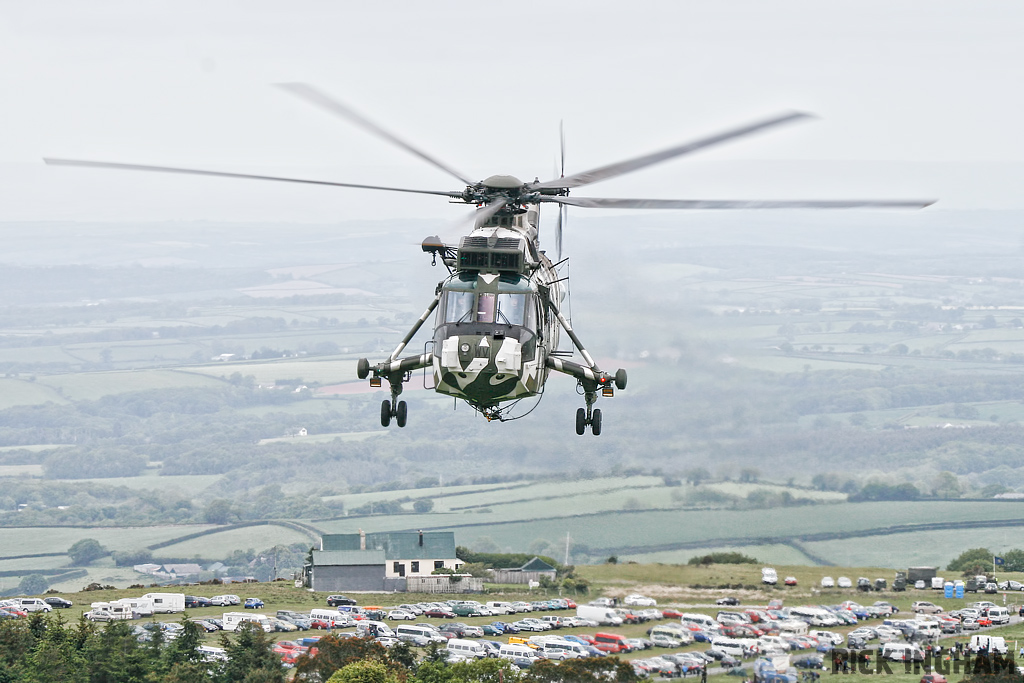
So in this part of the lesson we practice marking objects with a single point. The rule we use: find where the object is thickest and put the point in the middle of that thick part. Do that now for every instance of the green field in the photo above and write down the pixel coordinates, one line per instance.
(267, 372)
(93, 385)
(217, 546)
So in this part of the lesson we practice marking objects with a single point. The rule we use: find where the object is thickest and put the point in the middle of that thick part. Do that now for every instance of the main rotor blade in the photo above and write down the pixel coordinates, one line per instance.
(193, 171)
(608, 203)
(481, 215)
(630, 165)
(322, 100)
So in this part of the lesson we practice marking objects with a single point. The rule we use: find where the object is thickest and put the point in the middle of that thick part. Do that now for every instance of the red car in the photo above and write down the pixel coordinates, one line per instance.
(671, 613)
(321, 624)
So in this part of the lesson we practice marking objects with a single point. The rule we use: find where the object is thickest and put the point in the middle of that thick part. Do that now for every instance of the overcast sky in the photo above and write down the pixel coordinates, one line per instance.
(916, 99)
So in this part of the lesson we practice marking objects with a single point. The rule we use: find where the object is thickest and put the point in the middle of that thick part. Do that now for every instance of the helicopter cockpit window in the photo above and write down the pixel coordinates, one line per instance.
(485, 308)
(458, 307)
(512, 309)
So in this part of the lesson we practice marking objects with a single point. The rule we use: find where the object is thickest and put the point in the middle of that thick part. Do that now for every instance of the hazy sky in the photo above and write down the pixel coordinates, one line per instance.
(916, 99)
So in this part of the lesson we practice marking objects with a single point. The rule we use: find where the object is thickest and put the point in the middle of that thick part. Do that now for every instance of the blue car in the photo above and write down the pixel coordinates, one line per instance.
(253, 603)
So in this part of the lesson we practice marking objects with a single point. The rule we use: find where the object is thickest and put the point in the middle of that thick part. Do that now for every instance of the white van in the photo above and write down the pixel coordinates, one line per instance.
(513, 650)
(430, 634)
(998, 615)
(902, 652)
(333, 617)
(140, 607)
(32, 605)
(166, 603)
(501, 607)
(931, 629)
(467, 648)
(769, 576)
(562, 649)
(602, 615)
(990, 644)
(379, 628)
(232, 620)
(734, 647)
(702, 620)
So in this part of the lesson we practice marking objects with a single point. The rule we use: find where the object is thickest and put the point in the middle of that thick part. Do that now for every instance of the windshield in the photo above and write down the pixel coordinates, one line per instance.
(458, 306)
(512, 309)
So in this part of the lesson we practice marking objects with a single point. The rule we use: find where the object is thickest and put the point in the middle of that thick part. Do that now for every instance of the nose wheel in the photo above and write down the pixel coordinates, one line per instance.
(588, 417)
(398, 410)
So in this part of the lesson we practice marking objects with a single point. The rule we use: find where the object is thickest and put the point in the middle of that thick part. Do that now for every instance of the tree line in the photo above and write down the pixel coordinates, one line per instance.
(46, 649)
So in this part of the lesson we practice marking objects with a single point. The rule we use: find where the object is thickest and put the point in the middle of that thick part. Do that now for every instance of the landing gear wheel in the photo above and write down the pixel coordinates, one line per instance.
(362, 368)
(385, 413)
(595, 422)
(620, 379)
(401, 413)
(581, 421)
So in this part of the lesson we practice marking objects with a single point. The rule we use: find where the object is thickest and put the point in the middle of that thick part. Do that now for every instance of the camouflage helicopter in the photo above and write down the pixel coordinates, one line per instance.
(498, 312)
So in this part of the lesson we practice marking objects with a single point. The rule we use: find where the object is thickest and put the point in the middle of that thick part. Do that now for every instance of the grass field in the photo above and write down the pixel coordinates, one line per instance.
(217, 546)
(775, 553)
(18, 392)
(94, 385)
(31, 540)
(319, 370)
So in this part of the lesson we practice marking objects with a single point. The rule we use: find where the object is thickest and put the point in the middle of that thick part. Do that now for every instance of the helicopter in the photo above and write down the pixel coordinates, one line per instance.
(498, 313)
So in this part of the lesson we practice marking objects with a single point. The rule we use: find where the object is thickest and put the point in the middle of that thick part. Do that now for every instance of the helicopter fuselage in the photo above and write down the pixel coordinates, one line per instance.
(495, 326)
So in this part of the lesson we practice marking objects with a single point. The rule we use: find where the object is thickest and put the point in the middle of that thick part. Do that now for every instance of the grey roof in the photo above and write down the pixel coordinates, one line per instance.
(190, 568)
(537, 565)
(399, 545)
(323, 558)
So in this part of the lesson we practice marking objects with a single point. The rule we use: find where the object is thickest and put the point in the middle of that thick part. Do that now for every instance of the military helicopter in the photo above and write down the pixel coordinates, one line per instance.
(499, 311)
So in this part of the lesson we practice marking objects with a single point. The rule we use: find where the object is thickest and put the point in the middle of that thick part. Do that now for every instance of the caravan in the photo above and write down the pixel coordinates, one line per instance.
(166, 603)
(139, 607)
(232, 620)
(108, 611)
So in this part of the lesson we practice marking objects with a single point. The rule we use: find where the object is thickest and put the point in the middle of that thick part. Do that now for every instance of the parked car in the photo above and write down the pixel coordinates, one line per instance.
(730, 600)
(790, 581)
(844, 582)
(253, 603)
(58, 603)
(402, 614)
(925, 607)
(335, 600)
(639, 600)
(828, 582)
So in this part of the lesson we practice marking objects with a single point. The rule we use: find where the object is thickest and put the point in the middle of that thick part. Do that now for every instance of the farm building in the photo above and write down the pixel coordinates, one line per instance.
(531, 571)
(381, 561)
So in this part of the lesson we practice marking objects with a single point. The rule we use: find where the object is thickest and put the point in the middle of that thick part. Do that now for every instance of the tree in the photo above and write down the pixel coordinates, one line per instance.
(363, 671)
(85, 551)
(334, 653)
(974, 561)
(218, 511)
(33, 584)
(423, 506)
(250, 657)
(946, 486)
